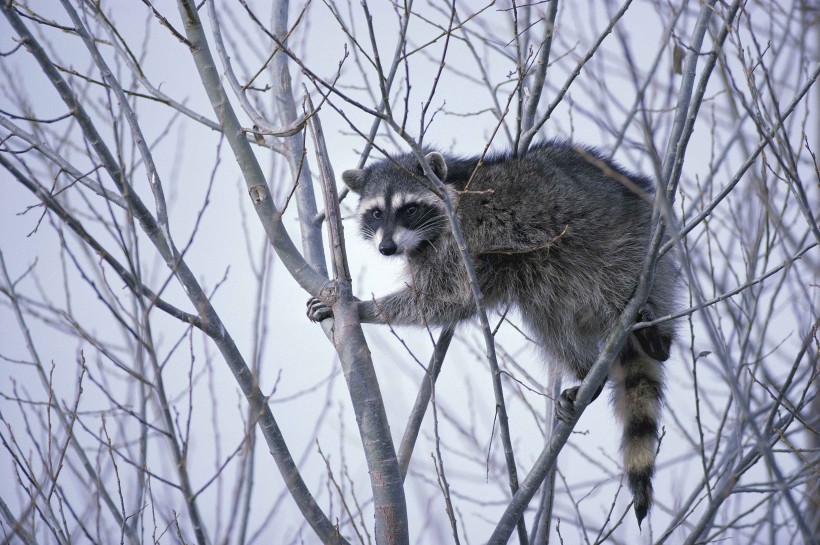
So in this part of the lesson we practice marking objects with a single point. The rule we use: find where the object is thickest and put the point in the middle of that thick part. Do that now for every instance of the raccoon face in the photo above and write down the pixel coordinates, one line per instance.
(396, 211)
(400, 223)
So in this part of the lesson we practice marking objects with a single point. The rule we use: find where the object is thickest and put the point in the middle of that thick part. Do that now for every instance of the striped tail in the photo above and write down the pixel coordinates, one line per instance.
(637, 397)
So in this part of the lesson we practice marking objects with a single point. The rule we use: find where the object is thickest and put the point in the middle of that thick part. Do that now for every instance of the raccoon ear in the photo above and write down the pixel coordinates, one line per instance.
(354, 179)
(438, 164)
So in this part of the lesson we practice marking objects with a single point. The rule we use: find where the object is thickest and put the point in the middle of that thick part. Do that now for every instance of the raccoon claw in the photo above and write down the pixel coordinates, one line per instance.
(652, 341)
(565, 405)
(317, 310)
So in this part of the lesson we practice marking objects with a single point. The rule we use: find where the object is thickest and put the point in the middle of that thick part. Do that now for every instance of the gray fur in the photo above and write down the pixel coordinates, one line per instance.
(438, 164)
(561, 234)
(354, 179)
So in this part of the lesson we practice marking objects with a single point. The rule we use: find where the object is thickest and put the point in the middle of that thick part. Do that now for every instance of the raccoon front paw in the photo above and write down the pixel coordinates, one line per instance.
(565, 405)
(317, 310)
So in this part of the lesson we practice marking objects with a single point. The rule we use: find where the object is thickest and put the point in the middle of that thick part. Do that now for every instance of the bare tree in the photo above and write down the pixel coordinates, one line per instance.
(153, 333)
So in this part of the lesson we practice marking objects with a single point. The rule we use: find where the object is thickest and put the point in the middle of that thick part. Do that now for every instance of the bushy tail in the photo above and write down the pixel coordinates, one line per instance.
(637, 397)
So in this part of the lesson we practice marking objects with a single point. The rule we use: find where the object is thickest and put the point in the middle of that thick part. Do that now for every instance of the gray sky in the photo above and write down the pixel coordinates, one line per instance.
(297, 355)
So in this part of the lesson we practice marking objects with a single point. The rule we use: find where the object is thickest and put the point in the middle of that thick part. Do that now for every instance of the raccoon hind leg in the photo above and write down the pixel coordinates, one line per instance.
(565, 404)
(653, 341)
(637, 397)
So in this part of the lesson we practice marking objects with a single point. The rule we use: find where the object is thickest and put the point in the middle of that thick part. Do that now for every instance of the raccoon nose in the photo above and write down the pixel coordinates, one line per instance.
(387, 247)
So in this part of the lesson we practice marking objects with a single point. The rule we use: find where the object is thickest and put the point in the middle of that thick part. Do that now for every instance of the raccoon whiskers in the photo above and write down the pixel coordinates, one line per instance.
(367, 232)
(426, 232)
(431, 225)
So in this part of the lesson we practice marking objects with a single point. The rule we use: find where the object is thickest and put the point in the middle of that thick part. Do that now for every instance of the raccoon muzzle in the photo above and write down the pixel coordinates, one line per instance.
(387, 247)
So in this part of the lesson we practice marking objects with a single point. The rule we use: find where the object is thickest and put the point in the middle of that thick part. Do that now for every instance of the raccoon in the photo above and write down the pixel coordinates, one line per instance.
(561, 234)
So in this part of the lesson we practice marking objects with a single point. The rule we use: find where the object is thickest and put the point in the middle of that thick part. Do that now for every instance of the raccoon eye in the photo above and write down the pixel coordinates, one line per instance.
(410, 210)
(376, 214)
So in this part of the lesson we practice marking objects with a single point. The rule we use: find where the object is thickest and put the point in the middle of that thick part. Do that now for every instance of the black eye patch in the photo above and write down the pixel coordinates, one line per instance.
(413, 214)
(412, 211)
(370, 221)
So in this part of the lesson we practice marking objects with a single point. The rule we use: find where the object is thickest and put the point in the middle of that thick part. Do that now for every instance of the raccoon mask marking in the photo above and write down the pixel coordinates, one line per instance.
(555, 234)
(398, 218)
